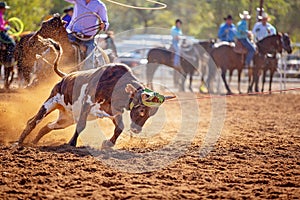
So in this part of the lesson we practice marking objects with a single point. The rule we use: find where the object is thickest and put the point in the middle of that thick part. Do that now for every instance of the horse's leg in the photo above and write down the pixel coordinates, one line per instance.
(7, 70)
(225, 82)
(26, 75)
(256, 75)
(203, 69)
(176, 78)
(230, 76)
(271, 80)
(12, 73)
(150, 70)
(191, 81)
(263, 80)
(212, 69)
(250, 80)
(239, 80)
(183, 78)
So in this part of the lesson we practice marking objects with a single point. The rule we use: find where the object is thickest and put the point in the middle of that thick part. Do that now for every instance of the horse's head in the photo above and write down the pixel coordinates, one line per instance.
(286, 42)
(208, 45)
(53, 28)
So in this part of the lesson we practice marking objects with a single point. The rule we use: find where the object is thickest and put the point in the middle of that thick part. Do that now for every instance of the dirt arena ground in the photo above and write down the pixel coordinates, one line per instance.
(257, 155)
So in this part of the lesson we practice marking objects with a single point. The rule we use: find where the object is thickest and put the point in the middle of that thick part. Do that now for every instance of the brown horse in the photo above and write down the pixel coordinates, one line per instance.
(29, 45)
(189, 62)
(226, 58)
(266, 58)
(7, 65)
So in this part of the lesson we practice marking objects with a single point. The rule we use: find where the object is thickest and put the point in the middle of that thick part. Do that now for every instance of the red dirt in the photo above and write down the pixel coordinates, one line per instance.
(256, 156)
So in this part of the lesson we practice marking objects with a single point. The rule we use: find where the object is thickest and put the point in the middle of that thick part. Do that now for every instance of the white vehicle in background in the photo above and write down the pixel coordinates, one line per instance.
(133, 50)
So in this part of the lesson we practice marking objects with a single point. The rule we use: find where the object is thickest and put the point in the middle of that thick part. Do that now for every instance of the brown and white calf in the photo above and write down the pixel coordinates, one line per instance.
(86, 95)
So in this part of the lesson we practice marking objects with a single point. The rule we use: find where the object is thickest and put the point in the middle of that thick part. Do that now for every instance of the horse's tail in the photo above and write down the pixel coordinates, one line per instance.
(58, 50)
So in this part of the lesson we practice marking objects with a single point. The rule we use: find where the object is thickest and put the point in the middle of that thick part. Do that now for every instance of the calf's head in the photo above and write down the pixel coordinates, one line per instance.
(143, 104)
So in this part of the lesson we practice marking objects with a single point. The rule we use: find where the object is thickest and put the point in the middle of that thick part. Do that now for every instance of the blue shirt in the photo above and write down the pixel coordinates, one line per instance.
(175, 32)
(227, 32)
(81, 8)
(67, 18)
(242, 29)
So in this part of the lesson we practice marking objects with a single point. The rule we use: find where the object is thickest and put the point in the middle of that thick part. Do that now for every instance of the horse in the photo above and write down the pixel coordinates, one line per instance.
(226, 58)
(29, 46)
(266, 59)
(190, 58)
(8, 65)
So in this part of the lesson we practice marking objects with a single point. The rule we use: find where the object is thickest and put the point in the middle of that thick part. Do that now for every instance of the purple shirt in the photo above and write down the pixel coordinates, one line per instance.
(84, 24)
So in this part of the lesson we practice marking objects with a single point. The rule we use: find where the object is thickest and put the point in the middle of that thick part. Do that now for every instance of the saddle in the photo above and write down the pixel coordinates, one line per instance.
(239, 48)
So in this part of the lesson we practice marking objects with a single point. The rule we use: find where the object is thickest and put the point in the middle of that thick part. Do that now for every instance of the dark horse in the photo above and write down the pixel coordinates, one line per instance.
(226, 58)
(266, 58)
(8, 65)
(29, 46)
(189, 59)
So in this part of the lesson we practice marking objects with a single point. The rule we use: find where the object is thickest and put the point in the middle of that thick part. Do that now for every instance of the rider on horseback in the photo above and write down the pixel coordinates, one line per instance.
(243, 36)
(4, 37)
(227, 30)
(263, 29)
(176, 32)
(68, 15)
(82, 7)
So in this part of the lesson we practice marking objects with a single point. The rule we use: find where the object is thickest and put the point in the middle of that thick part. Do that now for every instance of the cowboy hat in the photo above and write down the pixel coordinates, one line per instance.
(68, 9)
(3, 4)
(264, 16)
(228, 17)
(245, 15)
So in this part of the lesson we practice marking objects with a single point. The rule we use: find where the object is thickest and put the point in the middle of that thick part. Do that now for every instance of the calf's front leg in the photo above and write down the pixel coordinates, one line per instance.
(81, 124)
(119, 127)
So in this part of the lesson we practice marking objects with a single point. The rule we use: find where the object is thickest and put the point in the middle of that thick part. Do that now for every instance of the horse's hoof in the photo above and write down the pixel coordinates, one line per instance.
(107, 144)
(229, 93)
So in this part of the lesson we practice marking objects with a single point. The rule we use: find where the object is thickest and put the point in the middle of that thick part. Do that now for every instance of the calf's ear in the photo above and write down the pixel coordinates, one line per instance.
(130, 89)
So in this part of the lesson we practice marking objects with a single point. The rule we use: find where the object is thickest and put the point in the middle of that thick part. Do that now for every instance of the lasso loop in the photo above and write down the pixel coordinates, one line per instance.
(17, 26)
(86, 31)
(162, 5)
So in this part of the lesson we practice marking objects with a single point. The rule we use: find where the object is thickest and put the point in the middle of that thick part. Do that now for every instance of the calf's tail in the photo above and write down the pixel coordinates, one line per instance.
(58, 50)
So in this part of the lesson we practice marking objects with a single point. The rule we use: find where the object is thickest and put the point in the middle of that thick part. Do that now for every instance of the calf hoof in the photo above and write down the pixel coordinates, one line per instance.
(72, 143)
(107, 144)
(16, 144)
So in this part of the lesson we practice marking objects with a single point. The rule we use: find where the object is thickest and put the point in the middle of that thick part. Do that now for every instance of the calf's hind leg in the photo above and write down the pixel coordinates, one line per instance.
(31, 124)
(64, 120)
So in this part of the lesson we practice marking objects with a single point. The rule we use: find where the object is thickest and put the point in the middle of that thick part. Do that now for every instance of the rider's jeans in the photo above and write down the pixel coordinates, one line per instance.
(4, 38)
(251, 50)
(90, 45)
(177, 55)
